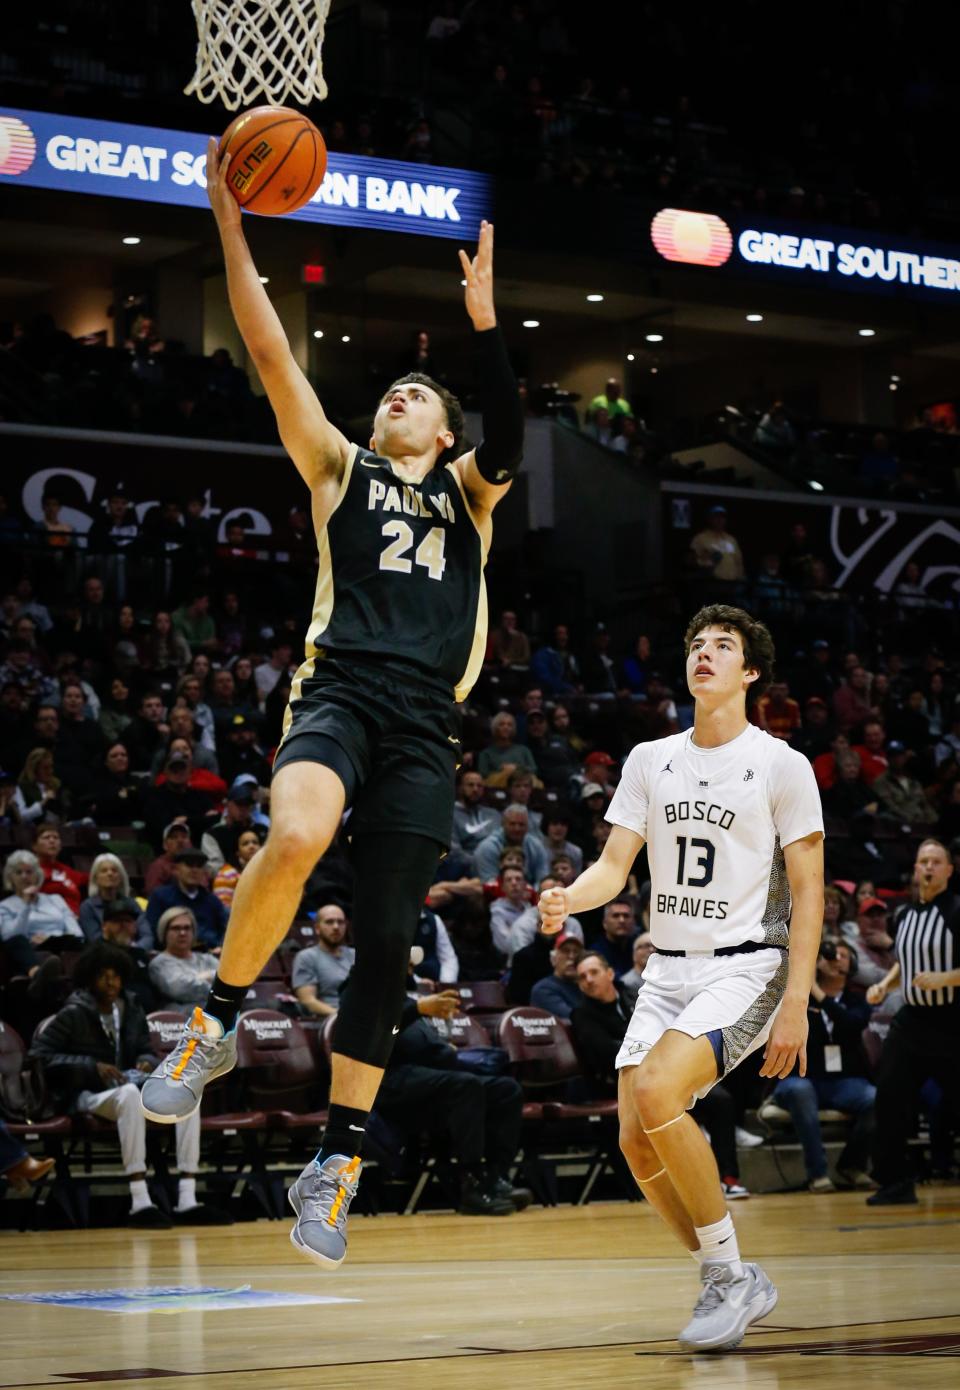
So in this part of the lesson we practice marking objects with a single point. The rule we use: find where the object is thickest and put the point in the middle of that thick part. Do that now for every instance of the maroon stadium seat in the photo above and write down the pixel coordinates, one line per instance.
(462, 1031)
(279, 1069)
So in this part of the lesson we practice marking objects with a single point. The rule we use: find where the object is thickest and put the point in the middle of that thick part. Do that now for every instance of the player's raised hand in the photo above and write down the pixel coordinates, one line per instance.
(226, 209)
(478, 273)
(553, 909)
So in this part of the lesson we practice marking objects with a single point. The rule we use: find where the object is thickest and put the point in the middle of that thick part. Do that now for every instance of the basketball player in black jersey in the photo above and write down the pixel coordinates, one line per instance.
(398, 635)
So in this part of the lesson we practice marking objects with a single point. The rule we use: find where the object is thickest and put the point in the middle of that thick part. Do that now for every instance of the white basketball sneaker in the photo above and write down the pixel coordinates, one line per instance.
(727, 1306)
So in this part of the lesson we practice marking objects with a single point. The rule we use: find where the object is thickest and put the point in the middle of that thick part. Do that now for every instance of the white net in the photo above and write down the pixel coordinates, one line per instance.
(250, 49)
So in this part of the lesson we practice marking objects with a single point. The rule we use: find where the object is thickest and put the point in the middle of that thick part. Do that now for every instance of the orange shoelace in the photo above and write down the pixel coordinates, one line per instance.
(191, 1046)
(348, 1168)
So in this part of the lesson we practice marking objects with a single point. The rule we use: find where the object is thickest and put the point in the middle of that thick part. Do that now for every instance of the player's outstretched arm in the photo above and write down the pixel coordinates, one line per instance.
(787, 1043)
(317, 448)
(488, 470)
(597, 885)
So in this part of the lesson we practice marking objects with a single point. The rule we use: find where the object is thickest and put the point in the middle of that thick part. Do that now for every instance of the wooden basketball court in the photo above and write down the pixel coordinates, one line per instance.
(588, 1296)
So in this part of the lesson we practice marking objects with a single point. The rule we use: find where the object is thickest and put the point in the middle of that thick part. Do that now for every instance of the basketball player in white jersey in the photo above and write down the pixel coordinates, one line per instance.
(734, 832)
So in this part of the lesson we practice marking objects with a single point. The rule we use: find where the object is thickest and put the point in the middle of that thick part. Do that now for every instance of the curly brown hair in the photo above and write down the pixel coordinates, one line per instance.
(452, 409)
(758, 649)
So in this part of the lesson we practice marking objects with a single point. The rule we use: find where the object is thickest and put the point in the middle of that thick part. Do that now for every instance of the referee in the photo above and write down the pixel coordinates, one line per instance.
(924, 1039)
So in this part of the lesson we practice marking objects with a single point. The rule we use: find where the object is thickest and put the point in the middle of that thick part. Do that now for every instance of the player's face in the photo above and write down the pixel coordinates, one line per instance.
(410, 420)
(715, 669)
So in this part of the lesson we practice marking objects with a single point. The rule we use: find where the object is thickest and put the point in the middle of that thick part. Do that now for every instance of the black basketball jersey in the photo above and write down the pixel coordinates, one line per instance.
(401, 575)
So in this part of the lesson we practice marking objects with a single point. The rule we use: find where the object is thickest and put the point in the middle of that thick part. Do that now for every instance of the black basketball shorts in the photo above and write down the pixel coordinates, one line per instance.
(391, 738)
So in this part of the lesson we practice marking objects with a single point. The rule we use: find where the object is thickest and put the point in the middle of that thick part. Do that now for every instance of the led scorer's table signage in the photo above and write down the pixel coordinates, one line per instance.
(840, 259)
(76, 155)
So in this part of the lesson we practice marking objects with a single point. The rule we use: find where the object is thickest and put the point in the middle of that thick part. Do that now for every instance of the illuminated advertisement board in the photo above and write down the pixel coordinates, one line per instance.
(76, 155)
(831, 257)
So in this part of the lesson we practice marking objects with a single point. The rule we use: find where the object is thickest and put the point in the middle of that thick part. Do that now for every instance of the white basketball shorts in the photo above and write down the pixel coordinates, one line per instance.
(732, 998)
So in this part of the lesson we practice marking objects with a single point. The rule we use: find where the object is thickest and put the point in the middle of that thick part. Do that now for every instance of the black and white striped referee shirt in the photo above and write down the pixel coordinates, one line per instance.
(927, 937)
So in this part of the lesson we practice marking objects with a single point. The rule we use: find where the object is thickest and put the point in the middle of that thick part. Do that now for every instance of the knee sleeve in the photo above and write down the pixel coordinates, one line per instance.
(392, 876)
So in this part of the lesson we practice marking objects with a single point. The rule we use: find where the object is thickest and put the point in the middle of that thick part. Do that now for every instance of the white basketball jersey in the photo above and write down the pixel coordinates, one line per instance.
(715, 821)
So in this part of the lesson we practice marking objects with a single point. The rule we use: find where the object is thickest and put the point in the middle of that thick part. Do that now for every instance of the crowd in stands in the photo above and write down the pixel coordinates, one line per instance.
(134, 790)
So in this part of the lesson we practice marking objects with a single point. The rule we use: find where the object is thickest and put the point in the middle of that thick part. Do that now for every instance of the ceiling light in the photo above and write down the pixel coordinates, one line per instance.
(345, 338)
(654, 337)
(318, 332)
(893, 386)
(595, 298)
(131, 241)
(531, 323)
(630, 357)
(264, 279)
(817, 487)
(867, 332)
(654, 370)
(754, 318)
(894, 377)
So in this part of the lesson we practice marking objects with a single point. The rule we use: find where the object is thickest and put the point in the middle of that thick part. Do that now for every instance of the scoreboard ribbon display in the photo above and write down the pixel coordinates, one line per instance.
(76, 155)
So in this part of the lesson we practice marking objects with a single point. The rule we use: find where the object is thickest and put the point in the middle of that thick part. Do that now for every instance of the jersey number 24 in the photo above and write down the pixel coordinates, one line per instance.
(429, 552)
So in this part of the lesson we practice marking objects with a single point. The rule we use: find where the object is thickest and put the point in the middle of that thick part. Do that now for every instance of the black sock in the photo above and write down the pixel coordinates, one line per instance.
(343, 1133)
(224, 1001)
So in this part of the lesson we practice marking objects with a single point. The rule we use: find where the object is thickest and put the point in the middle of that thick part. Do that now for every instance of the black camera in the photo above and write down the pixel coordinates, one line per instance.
(828, 950)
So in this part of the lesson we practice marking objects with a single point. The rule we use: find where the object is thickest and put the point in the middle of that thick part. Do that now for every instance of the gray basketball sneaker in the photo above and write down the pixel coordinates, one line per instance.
(726, 1307)
(174, 1091)
(321, 1197)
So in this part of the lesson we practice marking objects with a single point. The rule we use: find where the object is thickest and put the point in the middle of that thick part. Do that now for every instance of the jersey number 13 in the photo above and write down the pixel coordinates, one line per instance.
(701, 865)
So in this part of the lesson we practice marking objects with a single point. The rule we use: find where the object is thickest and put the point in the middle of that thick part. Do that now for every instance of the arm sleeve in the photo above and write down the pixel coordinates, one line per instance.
(794, 796)
(447, 956)
(501, 449)
(631, 799)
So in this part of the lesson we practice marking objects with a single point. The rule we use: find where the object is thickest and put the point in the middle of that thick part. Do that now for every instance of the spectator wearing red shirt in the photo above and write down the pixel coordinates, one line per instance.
(825, 765)
(851, 703)
(872, 751)
(58, 878)
(778, 713)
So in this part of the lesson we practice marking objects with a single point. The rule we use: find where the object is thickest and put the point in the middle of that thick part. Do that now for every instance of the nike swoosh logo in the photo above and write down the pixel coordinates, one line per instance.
(396, 1030)
(357, 1129)
(451, 739)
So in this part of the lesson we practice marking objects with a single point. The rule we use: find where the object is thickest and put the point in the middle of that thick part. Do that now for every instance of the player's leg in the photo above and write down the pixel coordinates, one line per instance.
(306, 804)
(392, 875)
(733, 1295)
(650, 1174)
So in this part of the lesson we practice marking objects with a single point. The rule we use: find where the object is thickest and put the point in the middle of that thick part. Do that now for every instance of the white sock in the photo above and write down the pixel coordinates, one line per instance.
(186, 1194)
(718, 1245)
(139, 1196)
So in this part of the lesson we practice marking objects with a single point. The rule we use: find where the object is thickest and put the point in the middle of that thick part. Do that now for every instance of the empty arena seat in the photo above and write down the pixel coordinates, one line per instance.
(15, 1091)
(539, 1047)
(279, 1068)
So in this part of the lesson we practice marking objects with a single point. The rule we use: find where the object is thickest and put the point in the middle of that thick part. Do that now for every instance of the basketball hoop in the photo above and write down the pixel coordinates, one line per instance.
(250, 49)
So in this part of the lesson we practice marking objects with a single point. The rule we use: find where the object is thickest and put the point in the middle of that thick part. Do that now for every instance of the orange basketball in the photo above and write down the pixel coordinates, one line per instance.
(277, 159)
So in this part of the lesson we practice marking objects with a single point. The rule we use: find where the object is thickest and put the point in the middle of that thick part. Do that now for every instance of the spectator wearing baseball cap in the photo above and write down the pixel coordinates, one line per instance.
(174, 797)
(219, 843)
(559, 992)
(176, 836)
(532, 962)
(189, 889)
(716, 553)
(122, 920)
(240, 753)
